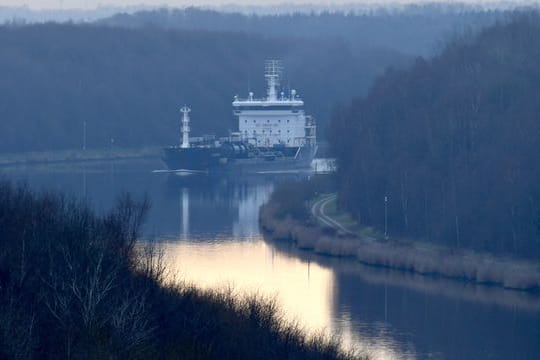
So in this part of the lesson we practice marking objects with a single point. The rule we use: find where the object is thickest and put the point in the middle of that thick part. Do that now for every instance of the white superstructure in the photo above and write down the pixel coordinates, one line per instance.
(278, 119)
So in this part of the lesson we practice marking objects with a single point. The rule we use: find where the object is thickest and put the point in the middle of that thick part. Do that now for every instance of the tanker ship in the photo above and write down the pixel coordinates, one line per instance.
(274, 134)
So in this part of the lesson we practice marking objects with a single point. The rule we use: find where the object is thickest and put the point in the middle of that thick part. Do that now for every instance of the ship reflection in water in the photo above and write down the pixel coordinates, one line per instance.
(208, 227)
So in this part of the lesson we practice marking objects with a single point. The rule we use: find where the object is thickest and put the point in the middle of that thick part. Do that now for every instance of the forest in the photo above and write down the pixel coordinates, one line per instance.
(452, 143)
(414, 30)
(119, 82)
(127, 85)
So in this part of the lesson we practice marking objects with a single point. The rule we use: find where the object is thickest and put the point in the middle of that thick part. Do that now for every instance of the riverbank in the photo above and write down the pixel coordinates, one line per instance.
(327, 235)
(78, 155)
(78, 284)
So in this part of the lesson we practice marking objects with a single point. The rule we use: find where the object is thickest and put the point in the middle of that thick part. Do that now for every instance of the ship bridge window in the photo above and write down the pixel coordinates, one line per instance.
(267, 121)
(288, 120)
(279, 120)
(245, 121)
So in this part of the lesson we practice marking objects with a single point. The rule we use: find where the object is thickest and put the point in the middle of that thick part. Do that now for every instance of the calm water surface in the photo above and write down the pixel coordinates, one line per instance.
(209, 230)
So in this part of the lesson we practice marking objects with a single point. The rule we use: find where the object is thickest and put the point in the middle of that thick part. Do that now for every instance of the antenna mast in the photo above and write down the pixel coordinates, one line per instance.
(273, 70)
(185, 126)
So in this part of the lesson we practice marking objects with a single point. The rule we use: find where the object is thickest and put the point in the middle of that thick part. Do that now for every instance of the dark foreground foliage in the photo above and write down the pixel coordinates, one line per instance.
(74, 284)
(453, 142)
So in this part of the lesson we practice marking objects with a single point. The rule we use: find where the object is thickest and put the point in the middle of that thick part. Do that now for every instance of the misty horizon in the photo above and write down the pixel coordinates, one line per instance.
(90, 5)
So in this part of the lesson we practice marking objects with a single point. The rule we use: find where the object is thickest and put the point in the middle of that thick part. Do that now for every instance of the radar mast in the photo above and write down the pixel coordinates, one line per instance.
(273, 71)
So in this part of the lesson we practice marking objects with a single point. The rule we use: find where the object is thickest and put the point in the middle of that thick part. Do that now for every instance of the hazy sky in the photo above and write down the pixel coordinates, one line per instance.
(89, 4)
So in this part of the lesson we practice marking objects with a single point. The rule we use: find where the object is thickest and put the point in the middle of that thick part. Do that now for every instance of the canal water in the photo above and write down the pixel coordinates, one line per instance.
(208, 228)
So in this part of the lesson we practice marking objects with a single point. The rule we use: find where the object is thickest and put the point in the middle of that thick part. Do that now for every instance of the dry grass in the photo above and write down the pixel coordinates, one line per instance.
(464, 265)
(253, 324)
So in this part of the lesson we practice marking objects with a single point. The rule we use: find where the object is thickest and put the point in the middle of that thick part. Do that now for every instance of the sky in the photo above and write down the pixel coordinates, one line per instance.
(92, 4)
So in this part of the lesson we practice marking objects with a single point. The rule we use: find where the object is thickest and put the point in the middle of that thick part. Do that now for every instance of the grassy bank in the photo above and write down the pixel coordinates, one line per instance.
(66, 156)
(74, 284)
(287, 217)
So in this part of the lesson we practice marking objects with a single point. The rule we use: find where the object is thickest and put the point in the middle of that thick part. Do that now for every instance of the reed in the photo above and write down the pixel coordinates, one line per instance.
(464, 265)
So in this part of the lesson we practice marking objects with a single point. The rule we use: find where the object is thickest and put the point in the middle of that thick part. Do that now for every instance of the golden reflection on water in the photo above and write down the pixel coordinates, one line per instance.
(304, 290)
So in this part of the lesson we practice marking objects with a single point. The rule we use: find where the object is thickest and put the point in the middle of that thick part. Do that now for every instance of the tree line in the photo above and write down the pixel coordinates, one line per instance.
(123, 87)
(413, 29)
(452, 144)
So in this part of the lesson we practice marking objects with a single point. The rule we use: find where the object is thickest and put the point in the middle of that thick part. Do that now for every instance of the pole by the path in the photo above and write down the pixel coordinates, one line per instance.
(386, 217)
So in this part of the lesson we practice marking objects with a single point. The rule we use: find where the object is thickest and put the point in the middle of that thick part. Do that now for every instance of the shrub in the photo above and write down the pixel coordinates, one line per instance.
(74, 284)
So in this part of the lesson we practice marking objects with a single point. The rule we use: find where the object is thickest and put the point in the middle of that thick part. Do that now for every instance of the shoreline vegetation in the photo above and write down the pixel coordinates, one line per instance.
(452, 144)
(79, 155)
(286, 217)
(75, 284)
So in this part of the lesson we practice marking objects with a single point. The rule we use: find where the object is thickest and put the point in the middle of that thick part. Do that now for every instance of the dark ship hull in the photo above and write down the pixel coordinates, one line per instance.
(274, 135)
(238, 158)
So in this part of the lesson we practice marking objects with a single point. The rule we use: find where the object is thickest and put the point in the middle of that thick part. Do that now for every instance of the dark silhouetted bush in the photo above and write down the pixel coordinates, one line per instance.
(74, 284)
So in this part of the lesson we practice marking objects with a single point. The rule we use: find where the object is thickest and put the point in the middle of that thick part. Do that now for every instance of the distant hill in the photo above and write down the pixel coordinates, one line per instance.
(128, 84)
(453, 142)
(126, 76)
(415, 30)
